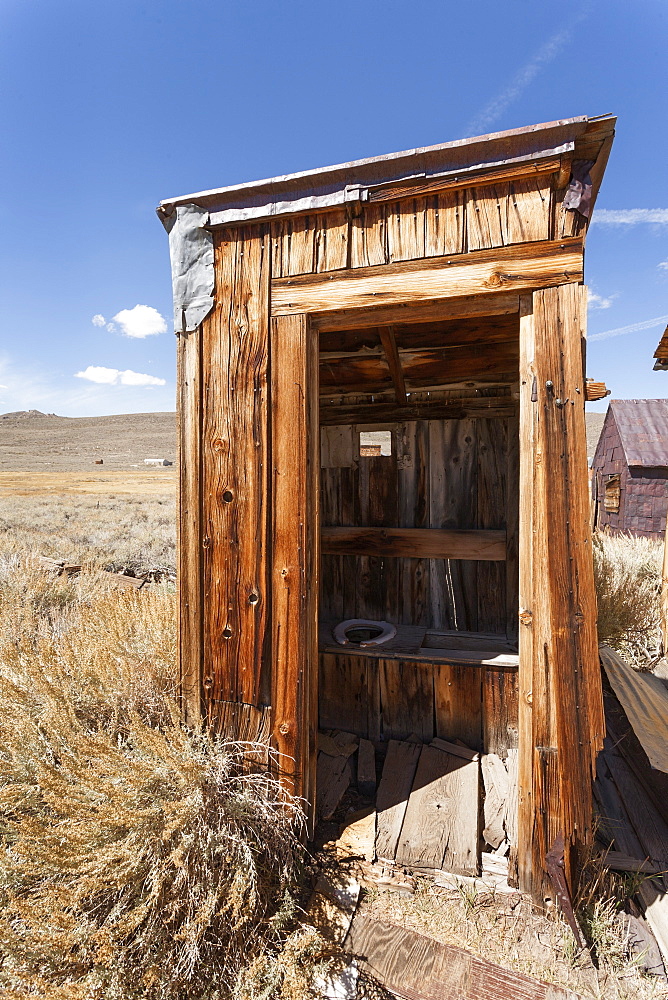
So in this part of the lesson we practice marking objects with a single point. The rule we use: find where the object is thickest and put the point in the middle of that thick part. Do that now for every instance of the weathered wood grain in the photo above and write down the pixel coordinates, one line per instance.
(395, 785)
(416, 967)
(426, 311)
(487, 407)
(525, 593)
(417, 543)
(366, 769)
(295, 550)
(458, 704)
(234, 471)
(566, 700)
(407, 699)
(441, 825)
(500, 711)
(389, 343)
(516, 268)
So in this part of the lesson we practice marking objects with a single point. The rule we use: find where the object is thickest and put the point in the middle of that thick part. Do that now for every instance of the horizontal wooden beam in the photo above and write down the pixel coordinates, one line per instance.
(519, 267)
(416, 543)
(486, 408)
(426, 311)
(520, 171)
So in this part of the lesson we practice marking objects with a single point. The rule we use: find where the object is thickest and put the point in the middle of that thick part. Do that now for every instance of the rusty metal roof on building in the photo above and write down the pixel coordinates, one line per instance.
(643, 429)
(583, 138)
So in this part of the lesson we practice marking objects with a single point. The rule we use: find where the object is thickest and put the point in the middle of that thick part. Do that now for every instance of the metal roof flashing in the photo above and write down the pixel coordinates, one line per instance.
(514, 145)
(189, 219)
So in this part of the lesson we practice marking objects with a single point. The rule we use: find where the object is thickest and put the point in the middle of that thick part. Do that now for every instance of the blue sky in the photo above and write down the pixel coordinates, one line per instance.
(110, 106)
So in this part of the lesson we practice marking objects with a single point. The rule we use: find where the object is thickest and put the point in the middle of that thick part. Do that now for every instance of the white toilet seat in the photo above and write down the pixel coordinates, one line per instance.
(341, 630)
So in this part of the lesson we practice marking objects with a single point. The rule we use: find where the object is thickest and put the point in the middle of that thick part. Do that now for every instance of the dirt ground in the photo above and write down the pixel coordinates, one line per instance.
(159, 481)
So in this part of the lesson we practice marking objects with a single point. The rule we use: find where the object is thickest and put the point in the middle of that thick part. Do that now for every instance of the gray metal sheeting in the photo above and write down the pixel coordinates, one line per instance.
(513, 145)
(643, 428)
(645, 700)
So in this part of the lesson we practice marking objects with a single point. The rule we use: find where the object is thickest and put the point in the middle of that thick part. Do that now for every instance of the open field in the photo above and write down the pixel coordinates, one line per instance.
(44, 442)
(152, 482)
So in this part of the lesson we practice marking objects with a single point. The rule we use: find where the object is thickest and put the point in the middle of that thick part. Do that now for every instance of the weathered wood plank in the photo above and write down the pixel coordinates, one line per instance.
(441, 825)
(416, 967)
(500, 711)
(438, 309)
(453, 483)
(445, 223)
(368, 237)
(477, 407)
(389, 343)
(491, 514)
(349, 694)
(295, 551)
(333, 778)
(567, 717)
(234, 471)
(395, 785)
(526, 458)
(417, 543)
(516, 268)
(407, 699)
(406, 229)
(458, 704)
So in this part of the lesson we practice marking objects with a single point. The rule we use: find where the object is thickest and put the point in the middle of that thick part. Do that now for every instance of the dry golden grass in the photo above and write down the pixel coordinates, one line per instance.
(137, 859)
(627, 570)
(118, 533)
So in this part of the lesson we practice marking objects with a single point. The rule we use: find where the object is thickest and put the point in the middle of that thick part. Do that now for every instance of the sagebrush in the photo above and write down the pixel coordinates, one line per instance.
(138, 859)
(627, 571)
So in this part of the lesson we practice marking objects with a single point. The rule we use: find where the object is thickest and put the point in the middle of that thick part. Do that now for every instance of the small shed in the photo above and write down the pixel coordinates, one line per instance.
(630, 468)
(381, 412)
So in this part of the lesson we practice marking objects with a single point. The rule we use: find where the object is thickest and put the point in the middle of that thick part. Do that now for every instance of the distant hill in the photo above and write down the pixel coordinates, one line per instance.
(33, 440)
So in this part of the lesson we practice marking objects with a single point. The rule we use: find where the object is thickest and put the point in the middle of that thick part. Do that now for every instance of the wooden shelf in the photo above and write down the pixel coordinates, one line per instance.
(424, 645)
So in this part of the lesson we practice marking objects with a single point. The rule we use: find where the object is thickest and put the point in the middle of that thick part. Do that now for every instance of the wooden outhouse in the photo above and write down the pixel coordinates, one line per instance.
(381, 405)
(630, 468)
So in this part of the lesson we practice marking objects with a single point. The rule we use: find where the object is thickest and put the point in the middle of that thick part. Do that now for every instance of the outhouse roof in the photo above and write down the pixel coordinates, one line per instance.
(643, 429)
(325, 187)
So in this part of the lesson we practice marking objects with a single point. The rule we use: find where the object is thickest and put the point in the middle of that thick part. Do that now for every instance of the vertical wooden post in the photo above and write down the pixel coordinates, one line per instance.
(525, 803)
(189, 376)
(235, 485)
(295, 557)
(556, 590)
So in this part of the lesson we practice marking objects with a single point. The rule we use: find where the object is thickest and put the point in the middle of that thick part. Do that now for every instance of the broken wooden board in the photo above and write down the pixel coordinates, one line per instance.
(393, 791)
(417, 967)
(441, 825)
(333, 778)
(497, 791)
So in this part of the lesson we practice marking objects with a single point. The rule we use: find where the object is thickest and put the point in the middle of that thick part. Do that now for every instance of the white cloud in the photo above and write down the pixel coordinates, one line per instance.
(141, 321)
(629, 216)
(663, 265)
(113, 376)
(596, 301)
(98, 320)
(632, 328)
(546, 53)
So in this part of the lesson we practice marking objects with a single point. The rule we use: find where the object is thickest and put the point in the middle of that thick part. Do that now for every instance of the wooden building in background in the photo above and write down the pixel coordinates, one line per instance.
(381, 399)
(630, 468)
